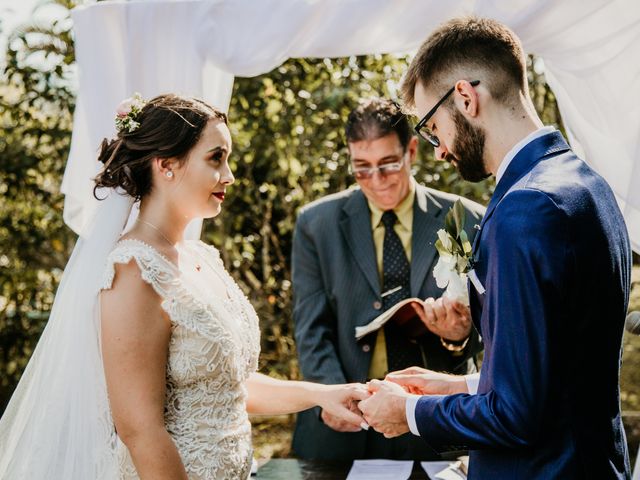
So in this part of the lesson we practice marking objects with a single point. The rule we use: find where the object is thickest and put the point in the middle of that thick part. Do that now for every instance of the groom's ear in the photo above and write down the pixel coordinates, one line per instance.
(467, 98)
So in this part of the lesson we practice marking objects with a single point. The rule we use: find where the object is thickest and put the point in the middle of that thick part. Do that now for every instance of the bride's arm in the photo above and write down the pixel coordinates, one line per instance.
(270, 396)
(135, 339)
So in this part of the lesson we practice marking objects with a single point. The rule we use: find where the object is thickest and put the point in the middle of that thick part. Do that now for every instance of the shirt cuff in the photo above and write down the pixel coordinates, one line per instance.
(410, 410)
(472, 382)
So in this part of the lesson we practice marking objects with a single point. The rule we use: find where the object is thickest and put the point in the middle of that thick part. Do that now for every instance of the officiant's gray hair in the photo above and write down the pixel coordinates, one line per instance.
(468, 47)
(375, 118)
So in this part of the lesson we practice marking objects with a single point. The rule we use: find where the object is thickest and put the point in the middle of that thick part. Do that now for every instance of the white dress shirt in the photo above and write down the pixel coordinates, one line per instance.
(474, 378)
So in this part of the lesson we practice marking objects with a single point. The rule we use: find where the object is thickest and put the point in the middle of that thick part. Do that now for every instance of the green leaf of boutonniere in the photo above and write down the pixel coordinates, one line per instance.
(466, 244)
(450, 225)
(458, 217)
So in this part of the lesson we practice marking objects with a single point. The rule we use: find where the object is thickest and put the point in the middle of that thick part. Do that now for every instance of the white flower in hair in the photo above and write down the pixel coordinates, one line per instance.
(127, 112)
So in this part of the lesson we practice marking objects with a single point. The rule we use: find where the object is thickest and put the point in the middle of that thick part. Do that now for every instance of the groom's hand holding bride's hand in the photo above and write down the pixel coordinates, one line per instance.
(420, 381)
(385, 409)
(339, 405)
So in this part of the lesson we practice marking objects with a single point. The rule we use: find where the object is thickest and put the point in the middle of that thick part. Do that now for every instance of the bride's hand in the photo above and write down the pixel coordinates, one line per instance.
(339, 405)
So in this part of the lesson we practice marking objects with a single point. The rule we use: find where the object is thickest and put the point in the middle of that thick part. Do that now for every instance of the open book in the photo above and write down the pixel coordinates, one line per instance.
(403, 313)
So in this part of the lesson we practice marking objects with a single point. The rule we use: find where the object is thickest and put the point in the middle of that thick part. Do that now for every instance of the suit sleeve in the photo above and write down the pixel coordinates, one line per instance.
(315, 322)
(528, 265)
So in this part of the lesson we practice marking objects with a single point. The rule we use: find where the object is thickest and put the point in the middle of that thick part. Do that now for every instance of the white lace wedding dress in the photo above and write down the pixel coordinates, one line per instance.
(213, 349)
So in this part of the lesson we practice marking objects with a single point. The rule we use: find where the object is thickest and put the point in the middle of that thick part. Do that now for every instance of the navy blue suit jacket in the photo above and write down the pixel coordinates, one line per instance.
(553, 255)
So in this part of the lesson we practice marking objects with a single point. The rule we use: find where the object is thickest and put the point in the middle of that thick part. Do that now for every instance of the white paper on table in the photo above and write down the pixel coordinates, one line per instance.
(380, 470)
(442, 471)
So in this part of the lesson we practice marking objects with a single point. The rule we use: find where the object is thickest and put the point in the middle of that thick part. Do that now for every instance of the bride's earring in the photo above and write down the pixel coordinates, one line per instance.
(169, 174)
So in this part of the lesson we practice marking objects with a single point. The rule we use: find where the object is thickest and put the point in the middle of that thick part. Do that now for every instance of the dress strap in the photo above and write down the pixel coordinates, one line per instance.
(155, 268)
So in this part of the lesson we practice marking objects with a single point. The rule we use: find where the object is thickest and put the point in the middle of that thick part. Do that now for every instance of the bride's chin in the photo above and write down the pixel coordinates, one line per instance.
(211, 213)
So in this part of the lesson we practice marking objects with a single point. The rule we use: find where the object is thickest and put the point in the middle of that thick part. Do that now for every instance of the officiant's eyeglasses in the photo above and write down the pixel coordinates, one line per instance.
(422, 129)
(386, 169)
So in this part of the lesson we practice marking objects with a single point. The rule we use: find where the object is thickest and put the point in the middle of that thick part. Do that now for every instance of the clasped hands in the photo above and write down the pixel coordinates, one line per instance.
(382, 404)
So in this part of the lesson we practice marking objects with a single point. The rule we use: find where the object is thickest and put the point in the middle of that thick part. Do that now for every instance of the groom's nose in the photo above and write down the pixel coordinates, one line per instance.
(441, 152)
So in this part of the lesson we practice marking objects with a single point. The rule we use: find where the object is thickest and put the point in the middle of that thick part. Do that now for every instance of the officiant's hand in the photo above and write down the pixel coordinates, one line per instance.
(339, 405)
(446, 318)
(385, 409)
(420, 381)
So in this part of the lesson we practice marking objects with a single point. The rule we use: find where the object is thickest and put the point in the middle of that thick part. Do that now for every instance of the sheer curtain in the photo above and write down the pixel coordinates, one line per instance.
(197, 46)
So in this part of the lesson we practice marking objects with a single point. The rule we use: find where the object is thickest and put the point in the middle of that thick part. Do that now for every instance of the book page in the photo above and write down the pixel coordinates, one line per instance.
(380, 470)
(399, 308)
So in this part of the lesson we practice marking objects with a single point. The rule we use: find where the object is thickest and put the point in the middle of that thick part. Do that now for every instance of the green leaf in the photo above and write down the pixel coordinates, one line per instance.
(464, 241)
(450, 224)
(463, 264)
(459, 217)
(440, 248)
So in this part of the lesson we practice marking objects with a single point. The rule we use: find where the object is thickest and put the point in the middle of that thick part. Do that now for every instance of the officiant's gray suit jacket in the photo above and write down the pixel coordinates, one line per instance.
(337, 288)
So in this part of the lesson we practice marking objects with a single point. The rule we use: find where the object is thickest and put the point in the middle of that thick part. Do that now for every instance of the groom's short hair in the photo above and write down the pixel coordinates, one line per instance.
(375, 118)
(468, 47)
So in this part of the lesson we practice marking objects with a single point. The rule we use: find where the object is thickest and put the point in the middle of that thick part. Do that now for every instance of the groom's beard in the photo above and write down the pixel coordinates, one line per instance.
(468, 149)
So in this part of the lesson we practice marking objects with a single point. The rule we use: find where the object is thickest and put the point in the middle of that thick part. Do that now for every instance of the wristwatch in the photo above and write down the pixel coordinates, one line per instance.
(454, 345)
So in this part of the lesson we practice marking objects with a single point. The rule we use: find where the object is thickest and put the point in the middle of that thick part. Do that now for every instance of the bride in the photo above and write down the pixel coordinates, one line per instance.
(147, 369)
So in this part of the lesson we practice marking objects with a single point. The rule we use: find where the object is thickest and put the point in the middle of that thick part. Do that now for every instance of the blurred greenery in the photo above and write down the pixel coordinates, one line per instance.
(289, 149)
(36, 104)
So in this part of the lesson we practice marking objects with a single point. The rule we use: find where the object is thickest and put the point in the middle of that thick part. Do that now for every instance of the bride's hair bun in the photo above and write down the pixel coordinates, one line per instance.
(168, 127)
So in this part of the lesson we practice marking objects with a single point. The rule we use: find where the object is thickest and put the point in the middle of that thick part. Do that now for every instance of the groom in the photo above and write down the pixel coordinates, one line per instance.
(550, 279)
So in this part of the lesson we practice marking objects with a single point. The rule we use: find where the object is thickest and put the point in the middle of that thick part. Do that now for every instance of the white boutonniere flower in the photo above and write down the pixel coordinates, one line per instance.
(455, 252)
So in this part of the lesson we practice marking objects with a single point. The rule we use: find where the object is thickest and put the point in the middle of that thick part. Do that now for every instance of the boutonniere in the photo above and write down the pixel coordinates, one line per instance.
(454, 249)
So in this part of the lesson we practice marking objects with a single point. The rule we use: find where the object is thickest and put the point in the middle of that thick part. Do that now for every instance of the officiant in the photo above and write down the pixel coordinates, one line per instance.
(357, 253)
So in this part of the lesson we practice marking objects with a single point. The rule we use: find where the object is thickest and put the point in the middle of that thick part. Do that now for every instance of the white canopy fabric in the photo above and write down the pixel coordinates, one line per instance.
(589, 48)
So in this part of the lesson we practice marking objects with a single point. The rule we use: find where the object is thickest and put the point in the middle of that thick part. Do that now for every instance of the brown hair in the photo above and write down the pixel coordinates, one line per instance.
(468, 47)
(170, 125)
(375, 118)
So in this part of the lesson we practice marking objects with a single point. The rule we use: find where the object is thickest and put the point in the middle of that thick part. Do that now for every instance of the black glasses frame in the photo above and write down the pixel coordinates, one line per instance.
(428, 136)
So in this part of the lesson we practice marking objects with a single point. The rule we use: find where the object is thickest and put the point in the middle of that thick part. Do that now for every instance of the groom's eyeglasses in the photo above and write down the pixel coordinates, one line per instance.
(387, 169)
(422, 129)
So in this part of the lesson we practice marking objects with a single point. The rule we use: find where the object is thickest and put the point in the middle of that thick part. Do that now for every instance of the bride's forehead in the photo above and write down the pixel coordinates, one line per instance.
(215, 134)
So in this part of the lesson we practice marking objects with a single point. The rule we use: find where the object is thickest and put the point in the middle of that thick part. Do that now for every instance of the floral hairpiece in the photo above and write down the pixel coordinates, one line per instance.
(127, 112)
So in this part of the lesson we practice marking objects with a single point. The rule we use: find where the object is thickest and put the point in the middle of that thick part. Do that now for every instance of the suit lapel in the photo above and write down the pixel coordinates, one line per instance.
(522, 163)
(356, 228)
(426, 211)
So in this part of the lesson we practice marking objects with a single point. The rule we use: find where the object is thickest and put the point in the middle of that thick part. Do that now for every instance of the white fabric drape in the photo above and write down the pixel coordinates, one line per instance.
(197, 46)
(57, 424)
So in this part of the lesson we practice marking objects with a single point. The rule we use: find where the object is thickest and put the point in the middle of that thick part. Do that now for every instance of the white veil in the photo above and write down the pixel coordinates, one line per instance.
(58, 424)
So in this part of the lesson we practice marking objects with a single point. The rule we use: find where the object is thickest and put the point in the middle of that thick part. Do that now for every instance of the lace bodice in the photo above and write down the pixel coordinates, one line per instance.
(214, 347)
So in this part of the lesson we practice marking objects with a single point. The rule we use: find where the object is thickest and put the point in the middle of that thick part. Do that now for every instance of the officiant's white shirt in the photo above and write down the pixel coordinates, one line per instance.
(474, 378)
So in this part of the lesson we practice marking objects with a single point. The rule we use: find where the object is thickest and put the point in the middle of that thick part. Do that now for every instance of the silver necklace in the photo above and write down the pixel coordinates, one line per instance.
(157, 230)
(198, 267)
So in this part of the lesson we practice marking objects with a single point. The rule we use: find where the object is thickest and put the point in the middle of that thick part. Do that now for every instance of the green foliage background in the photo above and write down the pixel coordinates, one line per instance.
(289, 149)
